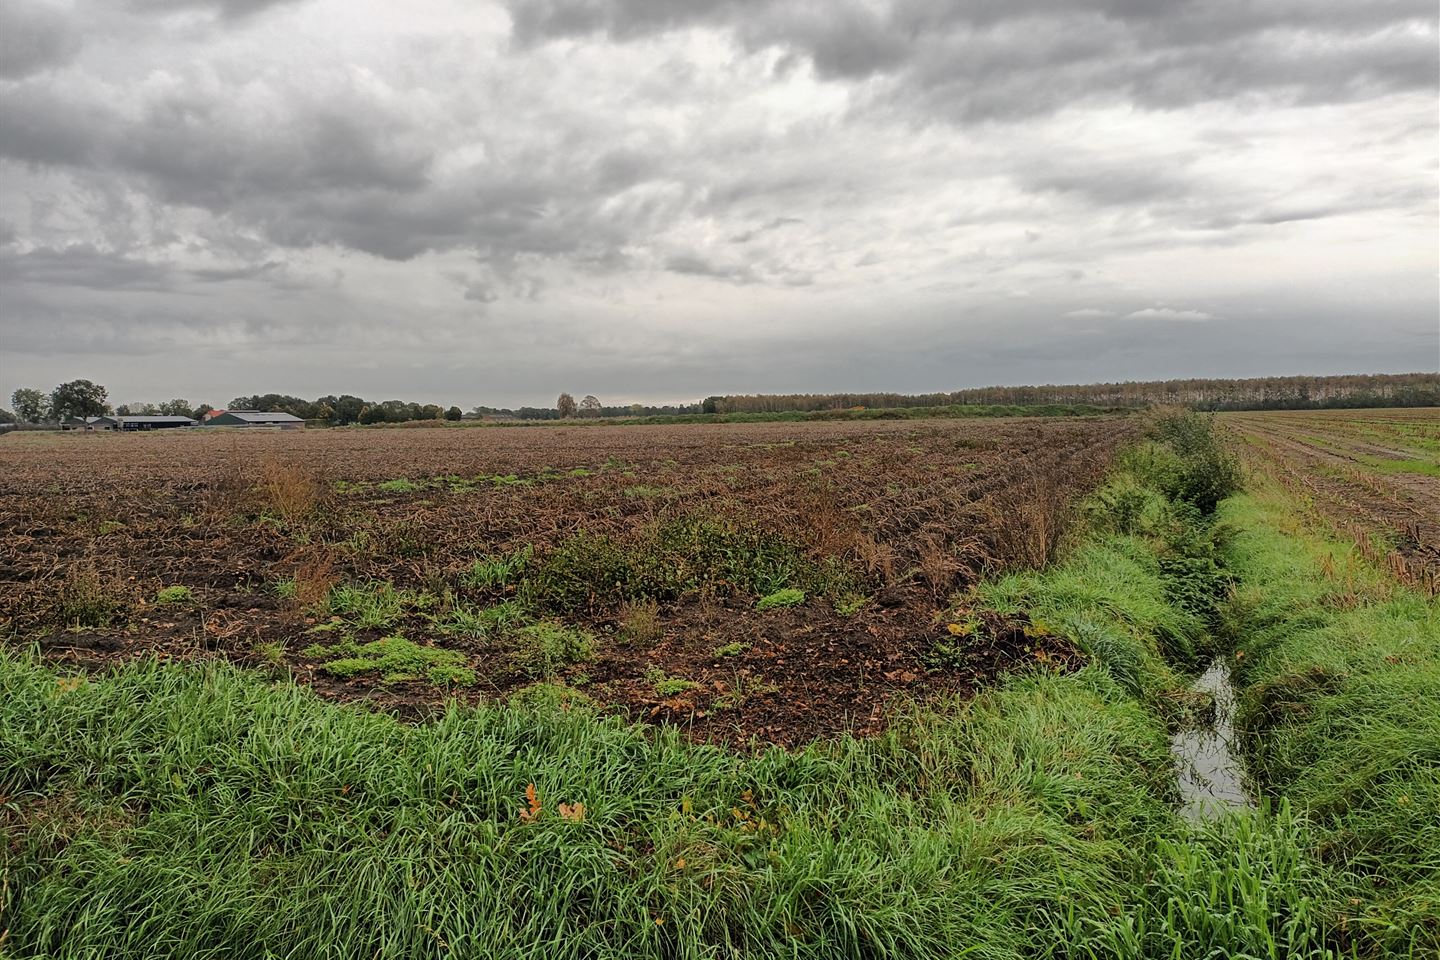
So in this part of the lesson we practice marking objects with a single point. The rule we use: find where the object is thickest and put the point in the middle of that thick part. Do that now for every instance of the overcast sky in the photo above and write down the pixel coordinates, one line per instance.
(654, 200)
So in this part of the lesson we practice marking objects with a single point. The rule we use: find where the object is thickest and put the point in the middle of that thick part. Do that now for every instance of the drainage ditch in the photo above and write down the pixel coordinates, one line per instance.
(1207, 762)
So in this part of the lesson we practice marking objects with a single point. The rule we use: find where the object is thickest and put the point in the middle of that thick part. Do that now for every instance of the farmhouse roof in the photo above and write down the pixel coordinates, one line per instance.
(148, 418)
(257, 416)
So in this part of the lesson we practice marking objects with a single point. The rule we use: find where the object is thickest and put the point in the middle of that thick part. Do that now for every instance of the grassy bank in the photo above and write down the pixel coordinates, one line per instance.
(1340, 707)
(185, 811)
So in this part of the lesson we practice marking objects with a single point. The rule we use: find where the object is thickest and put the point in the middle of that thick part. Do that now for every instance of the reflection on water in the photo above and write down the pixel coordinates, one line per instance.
(1211, 777)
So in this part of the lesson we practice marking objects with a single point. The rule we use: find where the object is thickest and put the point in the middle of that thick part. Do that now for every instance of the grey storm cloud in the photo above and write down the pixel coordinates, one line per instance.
(82, 266)
(966, 59)
(230, 9)
(695, 266)
(35, 36)
(673, 192)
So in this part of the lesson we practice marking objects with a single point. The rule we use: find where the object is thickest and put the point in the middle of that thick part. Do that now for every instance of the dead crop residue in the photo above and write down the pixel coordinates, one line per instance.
(772, 581)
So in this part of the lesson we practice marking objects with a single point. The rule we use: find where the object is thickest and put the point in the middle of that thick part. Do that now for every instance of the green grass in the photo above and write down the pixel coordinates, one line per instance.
(1341, 701)
(1110, 598)
(482, 623)
(247, 819)
(1428, 468)
(498, 571)
(374, 606)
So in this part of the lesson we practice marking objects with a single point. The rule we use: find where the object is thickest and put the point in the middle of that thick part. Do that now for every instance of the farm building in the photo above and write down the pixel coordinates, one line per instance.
(88, 423)
(255, 418)
(150, 422)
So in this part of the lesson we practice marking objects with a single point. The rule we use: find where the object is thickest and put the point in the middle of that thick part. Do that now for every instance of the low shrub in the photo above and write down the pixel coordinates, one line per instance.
(1208, 471)
(640, 622)
(542, 649)
(285, 491)
(87, 599)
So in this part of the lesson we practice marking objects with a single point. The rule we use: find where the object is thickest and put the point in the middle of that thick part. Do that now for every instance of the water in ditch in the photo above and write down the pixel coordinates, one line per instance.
(1207, 763)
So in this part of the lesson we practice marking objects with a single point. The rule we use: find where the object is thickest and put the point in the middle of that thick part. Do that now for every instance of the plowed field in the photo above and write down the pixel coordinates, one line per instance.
(772, 581)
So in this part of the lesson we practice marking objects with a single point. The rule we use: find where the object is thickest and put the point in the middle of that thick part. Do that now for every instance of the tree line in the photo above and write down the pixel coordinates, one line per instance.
(83, 398)
(1257, 393)
(74, 398)
(346, 409)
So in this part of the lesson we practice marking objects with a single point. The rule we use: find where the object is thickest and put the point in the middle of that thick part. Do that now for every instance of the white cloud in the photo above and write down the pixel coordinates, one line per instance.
(1170, 313)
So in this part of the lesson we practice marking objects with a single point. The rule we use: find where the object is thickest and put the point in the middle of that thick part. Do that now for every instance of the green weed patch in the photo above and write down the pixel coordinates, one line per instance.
(395, 658)
(671, 560)
(542, 649)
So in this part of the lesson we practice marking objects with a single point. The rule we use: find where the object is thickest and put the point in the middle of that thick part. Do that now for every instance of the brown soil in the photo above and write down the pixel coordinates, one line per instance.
(916, 511)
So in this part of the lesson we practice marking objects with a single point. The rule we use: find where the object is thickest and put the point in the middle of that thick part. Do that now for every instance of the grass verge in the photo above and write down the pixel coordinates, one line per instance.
(194, 811)
(1340, 704)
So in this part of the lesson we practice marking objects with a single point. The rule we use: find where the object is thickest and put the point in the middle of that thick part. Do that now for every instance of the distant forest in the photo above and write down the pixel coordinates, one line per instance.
(1261, 393)
(1258, 393)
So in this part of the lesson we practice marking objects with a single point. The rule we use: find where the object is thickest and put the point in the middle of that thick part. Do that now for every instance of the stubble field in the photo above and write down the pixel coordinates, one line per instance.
(1373, 475)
